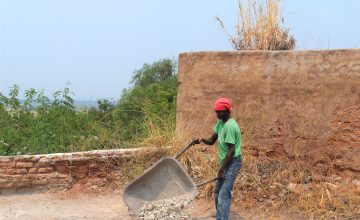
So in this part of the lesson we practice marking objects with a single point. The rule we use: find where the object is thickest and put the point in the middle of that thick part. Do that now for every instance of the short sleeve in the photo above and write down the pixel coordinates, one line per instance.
(229, 135)
(216, 128)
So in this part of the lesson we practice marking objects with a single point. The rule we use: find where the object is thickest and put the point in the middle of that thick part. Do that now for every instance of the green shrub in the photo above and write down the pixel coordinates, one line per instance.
(39, 124)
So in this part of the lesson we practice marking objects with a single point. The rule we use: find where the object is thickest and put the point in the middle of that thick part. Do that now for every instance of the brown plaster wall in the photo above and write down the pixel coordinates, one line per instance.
(293, 104)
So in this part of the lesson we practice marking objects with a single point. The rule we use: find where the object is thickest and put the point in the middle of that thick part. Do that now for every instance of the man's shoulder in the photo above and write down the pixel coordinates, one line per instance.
(218, 122)
(232, 124)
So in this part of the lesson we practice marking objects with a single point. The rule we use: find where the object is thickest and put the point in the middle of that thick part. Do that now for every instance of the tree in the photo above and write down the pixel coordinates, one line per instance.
(158, 72)
(151, 98)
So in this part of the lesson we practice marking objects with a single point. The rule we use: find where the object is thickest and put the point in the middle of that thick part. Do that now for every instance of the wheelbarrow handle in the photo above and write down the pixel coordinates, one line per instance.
(206, 182)
(184, 149)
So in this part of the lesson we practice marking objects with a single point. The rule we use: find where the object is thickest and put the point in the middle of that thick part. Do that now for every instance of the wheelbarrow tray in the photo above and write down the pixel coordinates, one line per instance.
(165, 179)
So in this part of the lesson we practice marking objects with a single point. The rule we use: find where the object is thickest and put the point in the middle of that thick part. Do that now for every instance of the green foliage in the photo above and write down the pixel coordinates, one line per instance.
(39, 124)
(158, 72)
(151, 99)
(13, 99)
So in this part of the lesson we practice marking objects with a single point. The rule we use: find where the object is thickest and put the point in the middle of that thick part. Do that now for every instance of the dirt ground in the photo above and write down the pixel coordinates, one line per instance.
(49, 205)
(71, 205)
(102, 204)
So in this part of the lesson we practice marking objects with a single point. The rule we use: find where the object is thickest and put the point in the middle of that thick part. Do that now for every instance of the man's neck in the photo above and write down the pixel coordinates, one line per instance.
(226, 119)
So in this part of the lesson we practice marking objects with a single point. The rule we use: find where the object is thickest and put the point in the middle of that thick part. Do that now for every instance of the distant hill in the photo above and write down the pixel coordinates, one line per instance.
(85, 104)
(78, 104)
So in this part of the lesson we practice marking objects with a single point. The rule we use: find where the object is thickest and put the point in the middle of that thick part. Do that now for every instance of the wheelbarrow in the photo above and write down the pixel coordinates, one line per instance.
(163, 180)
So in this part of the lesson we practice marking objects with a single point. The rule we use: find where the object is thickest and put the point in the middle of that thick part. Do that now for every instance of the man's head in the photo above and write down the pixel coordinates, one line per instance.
(222, 108)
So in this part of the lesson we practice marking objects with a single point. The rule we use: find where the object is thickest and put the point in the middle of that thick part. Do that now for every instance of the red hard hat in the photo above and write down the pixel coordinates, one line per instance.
(222, 104)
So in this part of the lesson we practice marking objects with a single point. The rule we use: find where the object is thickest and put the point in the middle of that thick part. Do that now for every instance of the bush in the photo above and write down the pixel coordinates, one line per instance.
(39, 124)
(150, 100)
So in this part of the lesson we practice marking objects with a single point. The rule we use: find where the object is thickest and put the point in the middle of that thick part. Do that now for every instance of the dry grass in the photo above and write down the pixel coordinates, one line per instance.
(258, 27)
(263, 182)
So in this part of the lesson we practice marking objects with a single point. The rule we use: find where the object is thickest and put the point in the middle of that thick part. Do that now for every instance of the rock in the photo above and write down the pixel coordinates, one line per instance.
(44, 160)
(177, 208)
(166, 209)
(151, 216)
(356, 182)
(295, 188)
(291, 187)
(307, 180)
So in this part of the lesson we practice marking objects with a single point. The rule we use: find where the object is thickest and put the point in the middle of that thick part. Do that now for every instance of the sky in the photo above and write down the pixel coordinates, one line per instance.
(97, 44)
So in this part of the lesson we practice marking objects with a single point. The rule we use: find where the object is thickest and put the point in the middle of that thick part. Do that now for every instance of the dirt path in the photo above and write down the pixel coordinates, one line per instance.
(104, 205)
(31, 206)
(71, 205)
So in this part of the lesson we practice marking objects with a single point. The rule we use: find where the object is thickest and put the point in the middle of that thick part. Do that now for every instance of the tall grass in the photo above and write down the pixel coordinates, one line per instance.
(258, 27)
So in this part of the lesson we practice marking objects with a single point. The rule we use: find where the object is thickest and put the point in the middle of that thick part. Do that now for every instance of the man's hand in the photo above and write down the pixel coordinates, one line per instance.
(197, 140)
(220, 175)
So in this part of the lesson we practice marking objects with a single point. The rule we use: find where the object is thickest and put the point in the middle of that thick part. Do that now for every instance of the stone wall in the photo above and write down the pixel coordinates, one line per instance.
(66, 169)
(289, 104)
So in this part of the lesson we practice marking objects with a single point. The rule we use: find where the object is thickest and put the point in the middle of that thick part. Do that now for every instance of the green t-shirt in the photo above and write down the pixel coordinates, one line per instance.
(228, 133)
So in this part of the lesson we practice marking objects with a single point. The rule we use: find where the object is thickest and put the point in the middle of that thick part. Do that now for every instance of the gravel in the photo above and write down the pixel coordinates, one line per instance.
(166, 209)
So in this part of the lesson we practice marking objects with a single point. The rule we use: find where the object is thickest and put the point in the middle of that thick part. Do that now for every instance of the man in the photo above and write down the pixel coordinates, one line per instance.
(228, 134)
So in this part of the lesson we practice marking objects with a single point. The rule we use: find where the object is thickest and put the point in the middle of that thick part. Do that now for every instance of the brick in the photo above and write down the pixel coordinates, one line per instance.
(45, 170)
(5, 159)
(9, 164)
(46, 175)
(20, 171)
(23, 182)
(80, 174)
(357, 132)
(59, 181)
(24, 164)
(61, 168)
(94, 166)
(33, 170)
(39, 182)
(32, 158)
(6, 184)
(33, 176)
(78, 159)
(42, 164)
(9, 170)
(57, 158)
(63, 176)
(44, 160)
(82, 168)
(20, 159)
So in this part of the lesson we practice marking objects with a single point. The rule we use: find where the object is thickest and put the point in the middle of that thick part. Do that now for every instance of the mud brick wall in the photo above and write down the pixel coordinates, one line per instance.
(66, 169)
(289, 104)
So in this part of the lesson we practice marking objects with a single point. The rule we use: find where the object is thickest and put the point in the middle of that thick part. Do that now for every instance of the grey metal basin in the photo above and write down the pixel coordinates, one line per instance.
(165, 179)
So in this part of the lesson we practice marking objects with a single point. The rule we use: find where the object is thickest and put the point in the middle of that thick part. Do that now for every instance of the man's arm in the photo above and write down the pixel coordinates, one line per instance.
(227, 160)
(207, 141)
(211, 140)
